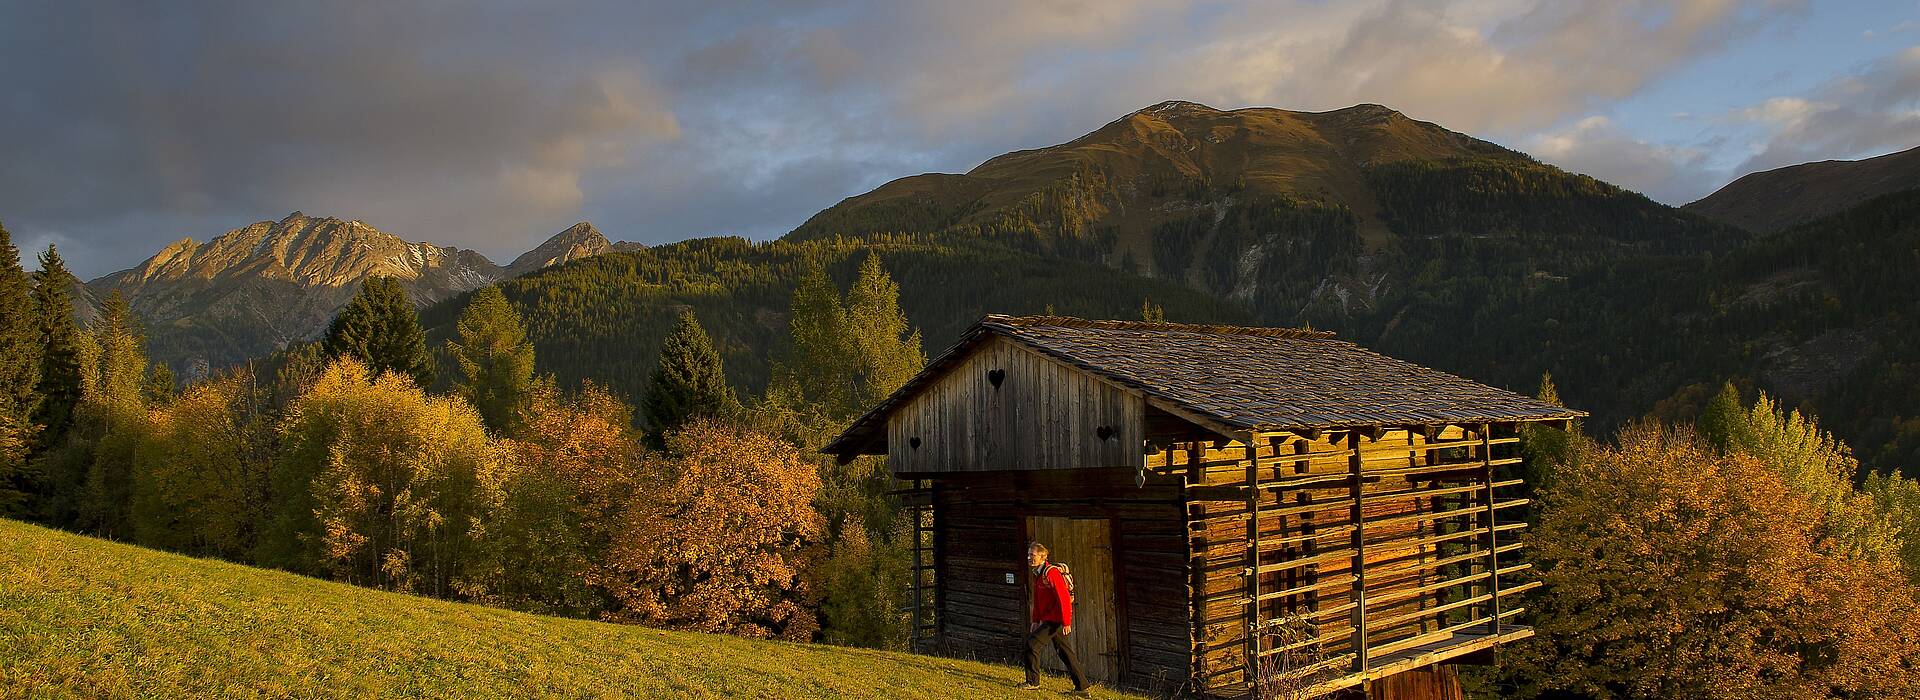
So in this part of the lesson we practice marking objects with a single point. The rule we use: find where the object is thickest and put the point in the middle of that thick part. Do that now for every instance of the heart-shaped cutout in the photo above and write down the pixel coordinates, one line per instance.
(1104, 432)
(913, 442)
(995, 376)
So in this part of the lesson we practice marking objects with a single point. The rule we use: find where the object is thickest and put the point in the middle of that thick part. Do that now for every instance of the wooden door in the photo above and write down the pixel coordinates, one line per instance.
(1085, 545)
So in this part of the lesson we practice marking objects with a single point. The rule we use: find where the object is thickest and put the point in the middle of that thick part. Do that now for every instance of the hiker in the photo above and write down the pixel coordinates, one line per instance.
(1052, 619)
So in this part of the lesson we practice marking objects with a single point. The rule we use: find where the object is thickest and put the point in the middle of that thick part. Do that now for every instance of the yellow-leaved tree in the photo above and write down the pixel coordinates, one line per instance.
(1675, 570)
(200, 476)
(718, 537)
(381, 484)
(577, 465)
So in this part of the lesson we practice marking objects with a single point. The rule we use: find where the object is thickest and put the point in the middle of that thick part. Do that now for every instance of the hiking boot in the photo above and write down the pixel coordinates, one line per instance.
(1029, 686)
(1080, 692)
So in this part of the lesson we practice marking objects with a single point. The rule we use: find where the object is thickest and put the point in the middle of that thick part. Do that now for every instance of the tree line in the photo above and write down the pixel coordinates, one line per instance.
(693, 508)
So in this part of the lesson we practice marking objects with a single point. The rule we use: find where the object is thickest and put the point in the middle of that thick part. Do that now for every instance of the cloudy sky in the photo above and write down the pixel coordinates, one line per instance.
(493, 125)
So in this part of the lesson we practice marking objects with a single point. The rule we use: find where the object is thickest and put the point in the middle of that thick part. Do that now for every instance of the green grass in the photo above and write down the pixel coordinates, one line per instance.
(82, 617)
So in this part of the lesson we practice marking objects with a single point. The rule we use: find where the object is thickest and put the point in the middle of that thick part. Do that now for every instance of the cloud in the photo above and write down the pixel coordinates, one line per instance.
(1495, 66)
(1597, 146)
(491, 124)
(215, 118)
(1868, 113)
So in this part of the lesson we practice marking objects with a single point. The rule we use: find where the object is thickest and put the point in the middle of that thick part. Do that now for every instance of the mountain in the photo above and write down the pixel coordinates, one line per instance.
(1307, 216)
(255, 289)
(1772, 200)
(580, 240)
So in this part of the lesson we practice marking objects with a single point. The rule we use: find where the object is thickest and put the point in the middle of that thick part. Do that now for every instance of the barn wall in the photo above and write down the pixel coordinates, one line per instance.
(980, 533)
(1043, 415)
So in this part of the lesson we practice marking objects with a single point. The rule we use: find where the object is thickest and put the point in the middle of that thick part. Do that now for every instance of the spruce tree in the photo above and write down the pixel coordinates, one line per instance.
(495, 360)
(59, 383)
(886, 352)
(381, 329)
(689, 382)
(19, 334)
(19, 372)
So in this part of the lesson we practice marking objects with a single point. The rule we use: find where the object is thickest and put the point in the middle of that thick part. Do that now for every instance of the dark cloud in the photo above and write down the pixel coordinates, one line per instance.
(489, 125)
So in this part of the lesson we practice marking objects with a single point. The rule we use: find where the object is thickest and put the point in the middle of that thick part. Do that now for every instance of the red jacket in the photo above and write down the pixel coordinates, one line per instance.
(1051, 600)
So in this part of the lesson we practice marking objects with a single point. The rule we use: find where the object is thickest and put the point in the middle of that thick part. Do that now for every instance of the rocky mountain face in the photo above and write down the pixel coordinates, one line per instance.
(1778, 199)
(578, 241)
(255, 289)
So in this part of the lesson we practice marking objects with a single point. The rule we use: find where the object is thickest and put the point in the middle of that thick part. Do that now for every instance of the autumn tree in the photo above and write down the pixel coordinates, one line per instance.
(380, 329)
(1813, 464)
(111, 418)
(1673, 570)
(719, 537)
(380, 484)
(200, 476)
(578, 465)
(1897, 500)
(689, 383)
(494, 360)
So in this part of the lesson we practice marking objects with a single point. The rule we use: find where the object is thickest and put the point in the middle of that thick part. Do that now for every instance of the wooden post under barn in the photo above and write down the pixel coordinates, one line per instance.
(1244, 509)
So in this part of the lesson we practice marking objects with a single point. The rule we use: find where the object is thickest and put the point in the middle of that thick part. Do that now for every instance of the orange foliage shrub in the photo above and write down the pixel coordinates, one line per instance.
(719, 536)
(1675, 572)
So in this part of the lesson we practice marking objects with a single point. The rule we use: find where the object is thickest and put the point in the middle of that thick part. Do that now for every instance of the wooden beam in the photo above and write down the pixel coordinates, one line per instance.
(1359, 565)
(1255, 625)
(1493, 541)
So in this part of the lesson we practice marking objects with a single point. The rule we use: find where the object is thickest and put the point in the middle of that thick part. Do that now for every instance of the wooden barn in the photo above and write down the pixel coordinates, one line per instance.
(1239, 506)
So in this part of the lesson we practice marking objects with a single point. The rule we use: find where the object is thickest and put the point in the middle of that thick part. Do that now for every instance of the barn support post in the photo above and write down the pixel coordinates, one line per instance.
(1358, 538)
(1255, 631)
(1492, 543)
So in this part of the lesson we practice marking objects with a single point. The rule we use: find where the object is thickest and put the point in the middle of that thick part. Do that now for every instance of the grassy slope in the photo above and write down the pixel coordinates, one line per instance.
(81, 617)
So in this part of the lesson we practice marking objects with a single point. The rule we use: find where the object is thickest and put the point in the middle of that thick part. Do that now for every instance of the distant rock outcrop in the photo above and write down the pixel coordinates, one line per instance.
(256, 289)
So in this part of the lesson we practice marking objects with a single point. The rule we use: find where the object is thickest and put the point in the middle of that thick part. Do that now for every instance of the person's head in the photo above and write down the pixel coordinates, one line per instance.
(1036, 554)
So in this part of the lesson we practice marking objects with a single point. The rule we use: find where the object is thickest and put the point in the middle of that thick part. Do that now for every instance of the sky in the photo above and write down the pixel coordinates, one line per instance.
(493, 125)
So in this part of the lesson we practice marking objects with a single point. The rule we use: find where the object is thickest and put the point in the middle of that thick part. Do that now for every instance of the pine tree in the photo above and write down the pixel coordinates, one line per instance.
(60, 377)
(689, 382)
(886, 352)
(380, 329)
(1151, 312)
(495, 360)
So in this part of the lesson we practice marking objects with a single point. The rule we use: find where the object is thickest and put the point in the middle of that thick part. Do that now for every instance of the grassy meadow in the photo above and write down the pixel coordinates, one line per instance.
(83, 617)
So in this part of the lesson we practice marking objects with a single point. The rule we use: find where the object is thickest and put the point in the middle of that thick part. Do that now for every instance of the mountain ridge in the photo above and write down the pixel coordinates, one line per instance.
(257, 288)
(1774, 200)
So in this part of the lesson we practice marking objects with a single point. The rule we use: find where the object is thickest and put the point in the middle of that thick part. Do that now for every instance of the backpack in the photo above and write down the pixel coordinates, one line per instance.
(1067, 576)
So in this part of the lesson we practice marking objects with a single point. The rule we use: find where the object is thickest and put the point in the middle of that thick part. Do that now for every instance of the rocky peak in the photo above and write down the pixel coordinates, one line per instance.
(577, 241)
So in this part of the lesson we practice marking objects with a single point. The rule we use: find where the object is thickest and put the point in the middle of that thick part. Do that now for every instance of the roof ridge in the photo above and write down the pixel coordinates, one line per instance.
(1117, 325)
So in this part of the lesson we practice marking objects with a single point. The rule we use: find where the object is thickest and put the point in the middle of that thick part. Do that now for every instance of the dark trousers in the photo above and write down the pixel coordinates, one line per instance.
(1049, 633)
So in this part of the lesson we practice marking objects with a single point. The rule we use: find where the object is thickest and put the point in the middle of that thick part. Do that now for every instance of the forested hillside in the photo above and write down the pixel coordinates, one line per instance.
(602, 318)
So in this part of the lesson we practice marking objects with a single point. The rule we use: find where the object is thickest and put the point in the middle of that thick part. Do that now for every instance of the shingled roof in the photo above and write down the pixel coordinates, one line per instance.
(1240, 378)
